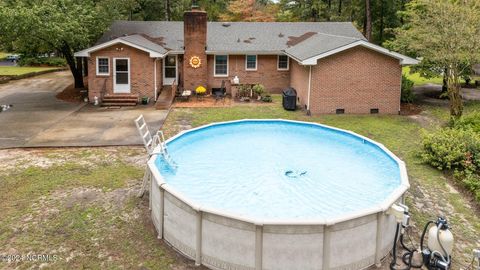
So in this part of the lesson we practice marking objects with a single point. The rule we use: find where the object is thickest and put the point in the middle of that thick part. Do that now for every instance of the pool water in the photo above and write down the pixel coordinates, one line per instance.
(280, 170)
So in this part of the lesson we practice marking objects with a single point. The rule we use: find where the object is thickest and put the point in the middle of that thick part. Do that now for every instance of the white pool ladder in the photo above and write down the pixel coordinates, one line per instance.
(151, 144)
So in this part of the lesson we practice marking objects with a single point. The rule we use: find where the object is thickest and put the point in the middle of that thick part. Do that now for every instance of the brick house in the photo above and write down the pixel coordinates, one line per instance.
(331, 65)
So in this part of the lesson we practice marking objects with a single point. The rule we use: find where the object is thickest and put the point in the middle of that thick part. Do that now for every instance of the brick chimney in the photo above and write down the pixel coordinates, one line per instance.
(195, 41)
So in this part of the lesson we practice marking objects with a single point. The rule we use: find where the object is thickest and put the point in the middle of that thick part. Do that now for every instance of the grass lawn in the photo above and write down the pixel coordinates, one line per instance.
(80, 204)
(419, 80)
(3, 55)
(14, 71)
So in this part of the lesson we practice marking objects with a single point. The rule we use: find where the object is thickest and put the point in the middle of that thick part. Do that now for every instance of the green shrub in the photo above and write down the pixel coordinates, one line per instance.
(450, 148)
(470, 121)
(258, 89)
(267, 98)
(471, 181)
(42, 61)
(407, 93)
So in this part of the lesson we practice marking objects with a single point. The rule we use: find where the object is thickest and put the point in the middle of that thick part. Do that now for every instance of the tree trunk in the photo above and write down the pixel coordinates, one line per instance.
(85, 66)
(444, 85)
(167, 10)
(453, 83)
(77, 73)
(368, 21)
(382, 18)
(339, 7)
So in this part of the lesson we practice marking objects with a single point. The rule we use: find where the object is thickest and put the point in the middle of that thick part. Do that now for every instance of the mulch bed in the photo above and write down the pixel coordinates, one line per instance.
(410, 109)
(70, 94)
(205, 102)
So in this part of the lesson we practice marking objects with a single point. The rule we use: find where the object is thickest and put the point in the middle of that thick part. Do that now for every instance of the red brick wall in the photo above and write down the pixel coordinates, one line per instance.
(267, 74)
(195, 40)
(299, 81)
(141, 71)
(357, 80)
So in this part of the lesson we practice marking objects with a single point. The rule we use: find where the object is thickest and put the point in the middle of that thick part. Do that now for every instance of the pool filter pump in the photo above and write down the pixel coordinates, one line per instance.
(436, 255)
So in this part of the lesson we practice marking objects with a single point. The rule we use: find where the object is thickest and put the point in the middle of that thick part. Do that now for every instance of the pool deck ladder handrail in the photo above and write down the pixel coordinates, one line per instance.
(159, 140)
(151, 144)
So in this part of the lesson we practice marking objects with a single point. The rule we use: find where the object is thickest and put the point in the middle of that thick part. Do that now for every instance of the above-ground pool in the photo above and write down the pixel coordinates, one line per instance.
(276, 194)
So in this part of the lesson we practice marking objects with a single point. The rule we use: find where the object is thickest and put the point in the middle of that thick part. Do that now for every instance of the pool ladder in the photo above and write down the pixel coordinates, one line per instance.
(159, 140)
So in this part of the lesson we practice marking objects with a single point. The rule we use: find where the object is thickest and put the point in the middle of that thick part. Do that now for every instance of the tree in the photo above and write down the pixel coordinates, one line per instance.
(367, 28)
(446, 34)
(249, 11)
(65, 26)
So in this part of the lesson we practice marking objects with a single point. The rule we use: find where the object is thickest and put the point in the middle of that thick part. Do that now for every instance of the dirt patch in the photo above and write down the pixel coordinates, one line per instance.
(206, 102)
(410, 109)
(71, 94)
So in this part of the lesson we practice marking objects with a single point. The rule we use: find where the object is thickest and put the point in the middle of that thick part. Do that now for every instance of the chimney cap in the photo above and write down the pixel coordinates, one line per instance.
(195, 5)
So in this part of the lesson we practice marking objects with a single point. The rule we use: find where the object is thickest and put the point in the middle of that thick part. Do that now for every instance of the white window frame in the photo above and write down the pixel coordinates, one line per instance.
(98, 66)
(278, 62)
(215, 66)
(246, 61)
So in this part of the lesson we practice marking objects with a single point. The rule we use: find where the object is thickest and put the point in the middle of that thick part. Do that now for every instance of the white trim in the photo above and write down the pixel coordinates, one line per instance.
(169, 81)
(278, 62)
(98, 73)
(155, 78)
(215, 63)
(404, 60)
(129, 87)
(256, 62)
(309, 87)
(86, 52)
(243, 52)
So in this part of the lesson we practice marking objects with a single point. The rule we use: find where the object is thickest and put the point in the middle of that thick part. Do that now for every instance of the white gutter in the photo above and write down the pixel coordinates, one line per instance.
(309, 86)
(155, 77)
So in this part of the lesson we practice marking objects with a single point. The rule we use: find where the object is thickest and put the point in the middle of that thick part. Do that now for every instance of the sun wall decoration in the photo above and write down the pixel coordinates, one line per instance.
(195, 62)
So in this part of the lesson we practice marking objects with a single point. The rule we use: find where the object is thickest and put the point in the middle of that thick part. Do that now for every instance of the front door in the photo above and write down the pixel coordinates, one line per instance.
(121, 75)
(170, 69)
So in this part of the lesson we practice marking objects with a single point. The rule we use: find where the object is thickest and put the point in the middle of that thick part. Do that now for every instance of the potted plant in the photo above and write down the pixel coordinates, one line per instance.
(258, 89)
(244, 92)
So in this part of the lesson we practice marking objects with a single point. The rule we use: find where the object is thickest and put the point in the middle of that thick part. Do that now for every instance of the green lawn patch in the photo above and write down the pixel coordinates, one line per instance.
(419, 80)
(18, 71)
(3, 55)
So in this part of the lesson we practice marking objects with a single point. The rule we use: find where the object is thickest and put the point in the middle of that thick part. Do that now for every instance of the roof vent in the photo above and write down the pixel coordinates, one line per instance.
(226, 24)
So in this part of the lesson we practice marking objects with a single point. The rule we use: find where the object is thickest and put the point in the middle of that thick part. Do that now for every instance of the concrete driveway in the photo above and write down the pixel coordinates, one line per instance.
(37, 118)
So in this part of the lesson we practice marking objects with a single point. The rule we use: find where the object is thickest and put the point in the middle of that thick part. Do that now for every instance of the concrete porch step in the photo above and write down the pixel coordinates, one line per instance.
(111, 104)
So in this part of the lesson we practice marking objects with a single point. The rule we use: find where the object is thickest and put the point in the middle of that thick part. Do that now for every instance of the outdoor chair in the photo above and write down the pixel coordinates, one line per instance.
(183, 95)
(221, 94)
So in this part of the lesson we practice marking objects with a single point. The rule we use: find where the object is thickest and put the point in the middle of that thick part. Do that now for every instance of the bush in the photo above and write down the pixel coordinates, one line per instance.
(450, 148)
(407, 93)
(42, 61)
(470, 121)
(267, 98)
(258, 89)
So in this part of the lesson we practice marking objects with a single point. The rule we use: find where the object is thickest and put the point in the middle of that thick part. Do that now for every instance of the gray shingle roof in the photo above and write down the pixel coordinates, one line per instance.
(144, 42)
(242, 37)
(318, 44)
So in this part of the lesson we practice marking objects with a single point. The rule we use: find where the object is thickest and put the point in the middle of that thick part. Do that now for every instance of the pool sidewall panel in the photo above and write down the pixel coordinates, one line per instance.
(227, 243)
(292, 247)
(179, 225)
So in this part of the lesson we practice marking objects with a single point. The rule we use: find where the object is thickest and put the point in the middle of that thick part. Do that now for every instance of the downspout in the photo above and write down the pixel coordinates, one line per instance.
(155, 77)
(309, 88)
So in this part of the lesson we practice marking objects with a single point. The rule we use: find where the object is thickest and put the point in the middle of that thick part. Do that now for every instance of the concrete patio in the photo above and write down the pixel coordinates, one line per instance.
(38, 118)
